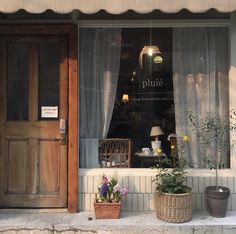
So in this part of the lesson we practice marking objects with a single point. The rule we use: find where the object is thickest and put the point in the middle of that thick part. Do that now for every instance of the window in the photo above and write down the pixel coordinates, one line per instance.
(148, 86)
(125, 92)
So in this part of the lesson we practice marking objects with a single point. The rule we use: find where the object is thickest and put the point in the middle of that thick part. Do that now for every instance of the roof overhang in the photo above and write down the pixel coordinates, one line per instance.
(116, 6)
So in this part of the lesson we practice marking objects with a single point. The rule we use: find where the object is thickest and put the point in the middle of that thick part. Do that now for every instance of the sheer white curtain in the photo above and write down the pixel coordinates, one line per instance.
(99, 62)
(200, 77)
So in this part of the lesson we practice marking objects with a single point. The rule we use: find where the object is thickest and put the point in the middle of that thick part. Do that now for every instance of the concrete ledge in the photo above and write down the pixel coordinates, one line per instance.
(17, 221)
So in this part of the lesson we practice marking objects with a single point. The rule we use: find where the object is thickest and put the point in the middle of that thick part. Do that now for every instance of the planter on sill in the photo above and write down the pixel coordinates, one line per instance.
(217, 200)
(174, 208)
(107, 210)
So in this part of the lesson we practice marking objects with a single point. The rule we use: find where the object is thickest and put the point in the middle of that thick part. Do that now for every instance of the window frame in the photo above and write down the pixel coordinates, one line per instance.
(231, 24)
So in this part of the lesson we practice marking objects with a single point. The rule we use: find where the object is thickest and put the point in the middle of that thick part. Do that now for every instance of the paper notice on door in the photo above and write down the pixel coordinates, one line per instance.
(49, 112)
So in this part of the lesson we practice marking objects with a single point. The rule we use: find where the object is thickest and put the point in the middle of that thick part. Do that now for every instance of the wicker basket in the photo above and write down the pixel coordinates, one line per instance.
(175, 208)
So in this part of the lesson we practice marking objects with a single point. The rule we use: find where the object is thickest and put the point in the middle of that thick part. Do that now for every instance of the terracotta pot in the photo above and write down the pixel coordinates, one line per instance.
(217, 201)
(107, 210)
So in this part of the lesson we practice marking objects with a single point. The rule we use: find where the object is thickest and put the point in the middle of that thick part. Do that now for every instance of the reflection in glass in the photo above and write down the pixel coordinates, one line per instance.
(17, 81)
(48, 70)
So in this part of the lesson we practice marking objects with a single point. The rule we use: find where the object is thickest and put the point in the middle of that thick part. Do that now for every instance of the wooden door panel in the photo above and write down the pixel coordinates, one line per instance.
(32, 167)
(16, 170)
(31, 201)
(25, 172)
(33, 163)
(49, 164)
(44, 129)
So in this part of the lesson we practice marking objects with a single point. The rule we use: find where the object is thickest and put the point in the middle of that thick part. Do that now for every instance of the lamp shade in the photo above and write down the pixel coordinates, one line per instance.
(150, 50)
(125, 98)
(156, 131)
(158, 59)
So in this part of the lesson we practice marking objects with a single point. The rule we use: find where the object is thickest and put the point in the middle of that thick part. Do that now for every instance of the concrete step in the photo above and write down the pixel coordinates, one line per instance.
(21, 221)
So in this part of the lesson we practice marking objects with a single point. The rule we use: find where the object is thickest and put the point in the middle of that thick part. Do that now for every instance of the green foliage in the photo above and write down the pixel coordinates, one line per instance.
(213, 134)
(172, 180)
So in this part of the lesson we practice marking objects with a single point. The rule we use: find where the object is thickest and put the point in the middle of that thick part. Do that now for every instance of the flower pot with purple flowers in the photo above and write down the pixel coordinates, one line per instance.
(107, 203)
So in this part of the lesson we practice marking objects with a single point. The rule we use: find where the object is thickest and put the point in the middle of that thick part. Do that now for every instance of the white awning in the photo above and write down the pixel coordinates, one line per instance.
(116, 6)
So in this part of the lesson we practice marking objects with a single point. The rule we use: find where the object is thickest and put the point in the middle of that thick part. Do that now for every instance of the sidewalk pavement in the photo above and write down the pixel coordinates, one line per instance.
(38, 222)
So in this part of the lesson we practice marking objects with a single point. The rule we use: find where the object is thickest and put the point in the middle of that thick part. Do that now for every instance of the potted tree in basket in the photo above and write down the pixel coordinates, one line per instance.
(107, 203)
(213, 135)
(173, 197)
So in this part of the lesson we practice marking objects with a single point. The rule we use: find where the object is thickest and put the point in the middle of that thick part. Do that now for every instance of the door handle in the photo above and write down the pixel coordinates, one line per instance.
(63, 126)
(63, 131)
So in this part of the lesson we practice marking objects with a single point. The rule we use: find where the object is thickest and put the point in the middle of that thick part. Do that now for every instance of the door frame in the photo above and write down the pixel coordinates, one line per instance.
(72, 33)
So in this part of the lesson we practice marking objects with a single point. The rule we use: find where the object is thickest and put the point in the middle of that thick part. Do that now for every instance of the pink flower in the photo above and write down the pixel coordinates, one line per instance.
(104, 179)
(117, 188)
(124, 191)
(110, 190)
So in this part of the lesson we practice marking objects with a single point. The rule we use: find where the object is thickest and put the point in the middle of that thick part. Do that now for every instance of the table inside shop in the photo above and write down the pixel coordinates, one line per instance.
(150, 159)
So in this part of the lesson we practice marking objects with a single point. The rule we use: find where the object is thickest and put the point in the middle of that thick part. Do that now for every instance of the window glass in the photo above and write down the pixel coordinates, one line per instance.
(141, 84)
(17, 82)
(201, 84)
(48, 70)
(146, 80)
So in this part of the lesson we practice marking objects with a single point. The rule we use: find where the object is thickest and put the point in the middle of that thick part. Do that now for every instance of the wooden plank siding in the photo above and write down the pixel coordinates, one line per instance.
(73, 123)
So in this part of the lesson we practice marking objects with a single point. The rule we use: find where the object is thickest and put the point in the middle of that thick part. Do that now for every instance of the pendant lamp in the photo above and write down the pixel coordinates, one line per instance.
(150, 50)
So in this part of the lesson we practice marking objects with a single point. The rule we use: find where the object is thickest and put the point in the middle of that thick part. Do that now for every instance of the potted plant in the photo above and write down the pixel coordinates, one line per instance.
(107, 203)
(213, 135)
(173, 197)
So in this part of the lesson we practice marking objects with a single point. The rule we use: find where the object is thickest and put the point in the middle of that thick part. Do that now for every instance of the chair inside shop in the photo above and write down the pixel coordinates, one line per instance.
(115, 152)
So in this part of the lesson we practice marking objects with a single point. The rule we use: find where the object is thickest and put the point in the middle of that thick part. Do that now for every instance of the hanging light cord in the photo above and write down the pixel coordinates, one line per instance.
(150, 32)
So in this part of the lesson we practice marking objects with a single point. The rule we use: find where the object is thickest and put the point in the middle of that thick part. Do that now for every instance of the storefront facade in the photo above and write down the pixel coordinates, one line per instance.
(61, 100)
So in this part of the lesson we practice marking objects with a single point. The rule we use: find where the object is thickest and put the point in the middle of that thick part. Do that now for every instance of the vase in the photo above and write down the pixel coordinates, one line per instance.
(174, 208)
(107, 210)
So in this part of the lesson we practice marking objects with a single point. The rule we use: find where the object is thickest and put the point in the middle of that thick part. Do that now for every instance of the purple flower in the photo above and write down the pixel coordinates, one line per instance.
(124, 191)
(104, 189)
(110, 190)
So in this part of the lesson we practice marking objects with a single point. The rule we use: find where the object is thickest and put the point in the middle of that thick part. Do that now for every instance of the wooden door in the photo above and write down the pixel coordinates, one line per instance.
(33, 99)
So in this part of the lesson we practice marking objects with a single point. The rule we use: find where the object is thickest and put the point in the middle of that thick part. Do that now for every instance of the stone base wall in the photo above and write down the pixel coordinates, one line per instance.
(142, 190)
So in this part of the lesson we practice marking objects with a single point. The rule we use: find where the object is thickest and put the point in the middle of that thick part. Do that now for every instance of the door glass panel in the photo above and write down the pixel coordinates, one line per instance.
(17, 82)
(48, 76)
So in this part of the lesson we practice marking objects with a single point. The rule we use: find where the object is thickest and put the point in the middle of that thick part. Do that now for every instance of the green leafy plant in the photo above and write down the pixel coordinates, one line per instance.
(172, 180)
(213, 135)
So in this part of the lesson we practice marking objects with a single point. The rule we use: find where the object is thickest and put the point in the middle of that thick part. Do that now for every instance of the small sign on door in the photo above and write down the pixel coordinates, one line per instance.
(49, 112)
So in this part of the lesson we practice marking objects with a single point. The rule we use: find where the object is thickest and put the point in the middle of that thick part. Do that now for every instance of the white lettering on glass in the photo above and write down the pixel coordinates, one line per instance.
(158, 82)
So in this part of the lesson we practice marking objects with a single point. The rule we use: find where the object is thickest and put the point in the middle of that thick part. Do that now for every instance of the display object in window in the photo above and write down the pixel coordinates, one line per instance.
(115, 152)
(149, 159)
